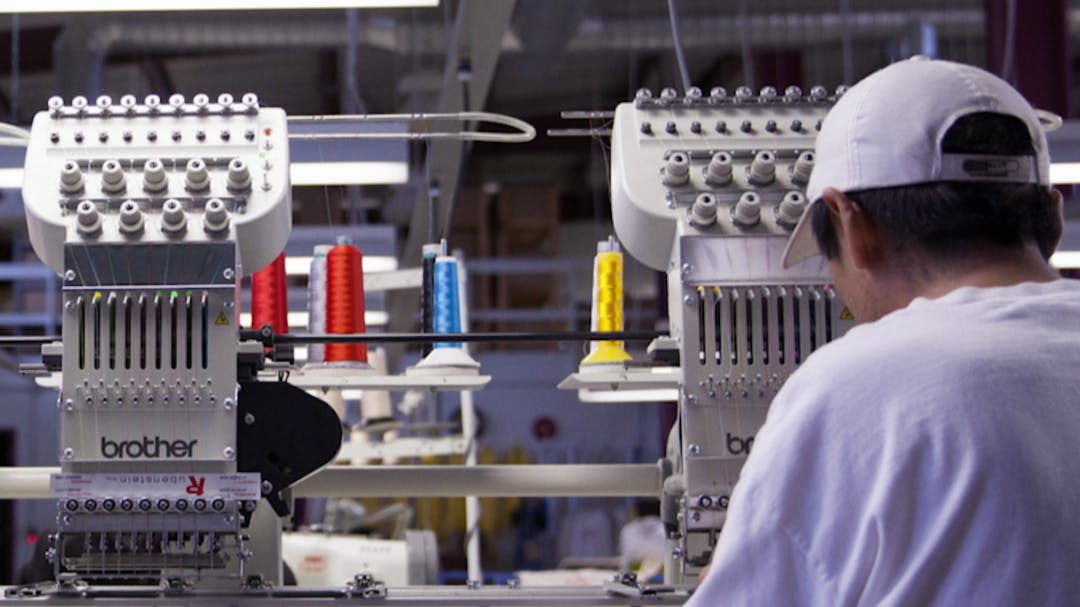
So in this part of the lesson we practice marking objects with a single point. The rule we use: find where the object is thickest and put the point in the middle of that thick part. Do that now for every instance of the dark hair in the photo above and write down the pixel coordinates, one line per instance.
(953, 219)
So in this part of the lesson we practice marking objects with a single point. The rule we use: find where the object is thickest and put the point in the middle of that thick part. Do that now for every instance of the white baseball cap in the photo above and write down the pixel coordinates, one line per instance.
(887, 130)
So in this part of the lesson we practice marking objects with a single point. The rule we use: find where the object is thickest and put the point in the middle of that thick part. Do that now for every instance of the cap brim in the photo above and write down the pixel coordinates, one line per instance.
(801, 245)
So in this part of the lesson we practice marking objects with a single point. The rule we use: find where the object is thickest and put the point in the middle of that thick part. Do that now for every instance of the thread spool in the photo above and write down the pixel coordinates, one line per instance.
(447, 309)
(345, 302)
(447, 317)
(430, 252)
(269, 305)
(317, 301)
(607, 308)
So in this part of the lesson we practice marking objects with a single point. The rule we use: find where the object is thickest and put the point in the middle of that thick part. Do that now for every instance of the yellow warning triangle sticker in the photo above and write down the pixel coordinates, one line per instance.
(221, 319)
(846, 314)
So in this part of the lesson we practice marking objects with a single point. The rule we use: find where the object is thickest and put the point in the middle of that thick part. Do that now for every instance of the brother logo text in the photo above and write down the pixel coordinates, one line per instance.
(148, 448)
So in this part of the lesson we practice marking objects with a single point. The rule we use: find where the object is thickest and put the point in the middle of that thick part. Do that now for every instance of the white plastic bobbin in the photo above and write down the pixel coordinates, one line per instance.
(719, 170)
(763, 168)
(152, 103)
(79, 103)
(176, 101)
(215, 217)
(703, 211)
(677, 169)
(198, 178)
(128, 102)
(239, 179)
(88, 218)
(747, 211)
(132, 220)
(71, 178)
(112, 177)
(804, 164)
(104, 103)
(202, 102)
(154, 178)
(791, 208)
(173, 217)
(250, 101)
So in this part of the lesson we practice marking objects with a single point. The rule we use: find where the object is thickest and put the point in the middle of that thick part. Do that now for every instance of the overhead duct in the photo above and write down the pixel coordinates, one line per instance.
(84, 47)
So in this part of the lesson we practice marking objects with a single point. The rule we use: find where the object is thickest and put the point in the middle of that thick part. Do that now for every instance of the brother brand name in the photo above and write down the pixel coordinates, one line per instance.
(150, 447)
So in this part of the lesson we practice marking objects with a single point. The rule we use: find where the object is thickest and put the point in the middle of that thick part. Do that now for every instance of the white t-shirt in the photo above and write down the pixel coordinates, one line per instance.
(929, 458)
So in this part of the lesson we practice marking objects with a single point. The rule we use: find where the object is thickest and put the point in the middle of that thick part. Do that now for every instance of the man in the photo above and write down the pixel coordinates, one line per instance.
(932, 455)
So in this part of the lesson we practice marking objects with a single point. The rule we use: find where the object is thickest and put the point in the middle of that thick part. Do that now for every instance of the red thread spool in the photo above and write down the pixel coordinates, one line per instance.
(270, 297)
(345, 301)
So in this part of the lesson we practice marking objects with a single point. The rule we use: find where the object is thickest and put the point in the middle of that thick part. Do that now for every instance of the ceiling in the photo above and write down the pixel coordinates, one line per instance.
(556, 55)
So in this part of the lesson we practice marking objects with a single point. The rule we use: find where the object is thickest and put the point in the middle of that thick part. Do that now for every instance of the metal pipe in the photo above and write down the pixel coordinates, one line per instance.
(555, 480)
(549, 480)
(388, 338)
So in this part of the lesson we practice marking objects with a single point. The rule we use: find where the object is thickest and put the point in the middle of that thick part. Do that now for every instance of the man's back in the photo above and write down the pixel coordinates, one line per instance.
(928, 458)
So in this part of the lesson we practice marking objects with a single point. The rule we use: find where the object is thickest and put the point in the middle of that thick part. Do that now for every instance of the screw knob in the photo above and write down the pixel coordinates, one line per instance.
(215, 217)
(239, 179)
(677, 170)
(131, 218)
(763, 168)
(703, 211)
(747, 210)
(719, 169)
(173, 217)
(198, 178)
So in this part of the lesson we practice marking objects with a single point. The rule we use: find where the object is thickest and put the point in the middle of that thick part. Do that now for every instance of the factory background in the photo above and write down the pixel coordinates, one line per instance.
(526, 218)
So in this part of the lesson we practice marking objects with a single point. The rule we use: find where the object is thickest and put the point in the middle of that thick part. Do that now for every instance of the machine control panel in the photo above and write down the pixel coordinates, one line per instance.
(723, 165)
(173, 171)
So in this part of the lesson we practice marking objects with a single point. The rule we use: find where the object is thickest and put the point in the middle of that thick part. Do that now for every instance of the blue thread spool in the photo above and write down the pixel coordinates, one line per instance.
(447, 300)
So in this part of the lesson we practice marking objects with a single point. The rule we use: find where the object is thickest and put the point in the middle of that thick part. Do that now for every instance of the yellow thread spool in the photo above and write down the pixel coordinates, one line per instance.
(607, 312)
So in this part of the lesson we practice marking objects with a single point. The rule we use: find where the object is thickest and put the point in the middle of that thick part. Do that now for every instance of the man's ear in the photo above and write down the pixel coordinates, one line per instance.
(1059, 201)
(857, 234)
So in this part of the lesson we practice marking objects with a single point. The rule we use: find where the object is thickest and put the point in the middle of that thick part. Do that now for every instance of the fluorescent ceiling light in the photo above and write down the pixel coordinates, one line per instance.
(628, 396)
(348, 173)
(103, 6)
(1065, 172)
(301, 265)
(352, 394)
(372, 318)
(1066, 260)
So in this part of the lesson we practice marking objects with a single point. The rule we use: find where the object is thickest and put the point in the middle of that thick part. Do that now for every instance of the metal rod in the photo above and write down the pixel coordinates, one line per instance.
(542, 480)
(386, 338)
(546, 480)
(16, 341)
